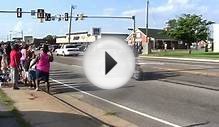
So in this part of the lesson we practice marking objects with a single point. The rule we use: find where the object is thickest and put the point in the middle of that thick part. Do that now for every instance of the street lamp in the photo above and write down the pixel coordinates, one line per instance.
(10, 35)
(70, 21)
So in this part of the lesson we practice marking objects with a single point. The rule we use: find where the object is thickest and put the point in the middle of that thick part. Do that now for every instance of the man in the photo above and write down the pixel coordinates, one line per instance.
(14, 65)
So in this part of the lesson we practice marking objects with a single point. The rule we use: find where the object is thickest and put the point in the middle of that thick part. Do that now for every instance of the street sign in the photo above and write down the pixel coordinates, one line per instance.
(96, 31)
(33, 13)
(40, 13)
(81, 16)
(19, 12)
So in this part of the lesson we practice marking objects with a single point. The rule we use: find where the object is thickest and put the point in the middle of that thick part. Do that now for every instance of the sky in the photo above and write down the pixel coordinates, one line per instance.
(160, 11)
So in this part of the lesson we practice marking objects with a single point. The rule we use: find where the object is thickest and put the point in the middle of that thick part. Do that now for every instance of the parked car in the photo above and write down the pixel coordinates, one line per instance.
(68, 49)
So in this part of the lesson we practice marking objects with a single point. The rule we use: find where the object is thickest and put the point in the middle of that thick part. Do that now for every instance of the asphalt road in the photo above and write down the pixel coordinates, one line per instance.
(154, 102)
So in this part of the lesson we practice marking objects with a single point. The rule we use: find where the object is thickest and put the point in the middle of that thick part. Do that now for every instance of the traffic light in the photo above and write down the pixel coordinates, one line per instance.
(40, 13)
(48, 17)
(19, 12)
(66, 16)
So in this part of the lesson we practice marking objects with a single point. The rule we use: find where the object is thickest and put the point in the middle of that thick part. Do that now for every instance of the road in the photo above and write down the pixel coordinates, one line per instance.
(173, 93)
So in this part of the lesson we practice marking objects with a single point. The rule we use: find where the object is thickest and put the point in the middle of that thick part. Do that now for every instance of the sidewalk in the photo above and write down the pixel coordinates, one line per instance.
(185, 59)
(43, 110)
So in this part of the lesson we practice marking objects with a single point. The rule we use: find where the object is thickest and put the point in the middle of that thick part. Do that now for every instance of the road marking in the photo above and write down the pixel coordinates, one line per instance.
(76, 66)
(150, 63)
(120, 106)
(190, 71)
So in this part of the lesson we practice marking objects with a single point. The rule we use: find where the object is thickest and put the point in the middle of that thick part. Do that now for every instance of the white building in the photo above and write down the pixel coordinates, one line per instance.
(77, 37)
(216, 37)
(86, 38)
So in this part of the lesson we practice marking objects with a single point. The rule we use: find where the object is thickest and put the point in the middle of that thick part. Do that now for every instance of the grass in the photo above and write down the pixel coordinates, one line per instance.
(184, 54)
(5, 100)
(111, 113)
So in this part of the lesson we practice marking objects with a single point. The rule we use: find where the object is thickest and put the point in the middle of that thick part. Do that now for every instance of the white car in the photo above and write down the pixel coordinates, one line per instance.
(68, 49)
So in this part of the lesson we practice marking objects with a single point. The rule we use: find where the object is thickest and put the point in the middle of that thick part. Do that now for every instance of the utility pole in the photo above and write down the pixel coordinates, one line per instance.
(147, 45)
(147, 18)
(70, 21)
(22, 35)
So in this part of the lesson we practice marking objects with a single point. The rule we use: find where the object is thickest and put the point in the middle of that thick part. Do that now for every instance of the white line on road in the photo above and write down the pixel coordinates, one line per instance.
(120, 106)
(152, 63)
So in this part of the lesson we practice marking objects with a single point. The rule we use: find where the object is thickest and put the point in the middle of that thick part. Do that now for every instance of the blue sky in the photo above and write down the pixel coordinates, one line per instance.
(160, 12)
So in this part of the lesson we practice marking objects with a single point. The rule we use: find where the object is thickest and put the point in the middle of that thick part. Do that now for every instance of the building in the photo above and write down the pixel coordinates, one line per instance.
(61, 39)
(85, 38)
(37, 42)
(28, 39)
(156, 37)
(216, 37)
(121, 36)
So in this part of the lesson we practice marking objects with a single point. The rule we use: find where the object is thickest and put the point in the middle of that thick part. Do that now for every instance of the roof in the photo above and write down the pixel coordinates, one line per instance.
(117, 35)
(155, 33)
(77, 33)
(60, 36)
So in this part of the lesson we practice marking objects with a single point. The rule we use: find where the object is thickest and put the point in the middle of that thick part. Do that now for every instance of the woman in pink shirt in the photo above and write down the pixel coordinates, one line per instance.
(43, 66)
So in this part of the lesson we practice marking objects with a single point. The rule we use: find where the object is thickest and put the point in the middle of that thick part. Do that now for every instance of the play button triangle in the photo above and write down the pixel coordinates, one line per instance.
(109, 63)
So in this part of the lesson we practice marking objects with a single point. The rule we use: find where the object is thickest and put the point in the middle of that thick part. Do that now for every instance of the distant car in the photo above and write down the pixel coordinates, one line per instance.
(53, 47)
(68, 49)
(39, 47)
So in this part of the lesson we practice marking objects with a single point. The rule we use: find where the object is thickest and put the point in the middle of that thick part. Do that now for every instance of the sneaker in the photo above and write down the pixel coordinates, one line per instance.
(37, 89)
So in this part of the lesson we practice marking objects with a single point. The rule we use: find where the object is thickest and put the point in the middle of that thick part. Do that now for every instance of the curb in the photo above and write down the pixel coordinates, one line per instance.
(95, 113)
(191, 84)
(184, 59)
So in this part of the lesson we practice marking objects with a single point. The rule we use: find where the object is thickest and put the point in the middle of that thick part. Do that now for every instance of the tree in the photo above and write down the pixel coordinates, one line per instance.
(189, 29)
(50, 39)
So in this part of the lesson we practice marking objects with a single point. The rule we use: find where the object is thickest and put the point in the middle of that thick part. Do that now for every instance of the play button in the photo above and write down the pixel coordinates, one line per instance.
(109, 63)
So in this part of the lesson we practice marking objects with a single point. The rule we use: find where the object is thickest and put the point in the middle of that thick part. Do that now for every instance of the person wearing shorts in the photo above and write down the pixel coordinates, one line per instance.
(43, 67)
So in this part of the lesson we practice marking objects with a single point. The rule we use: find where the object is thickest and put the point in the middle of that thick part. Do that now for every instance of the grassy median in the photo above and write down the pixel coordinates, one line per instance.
(5, 100)
(185, 54)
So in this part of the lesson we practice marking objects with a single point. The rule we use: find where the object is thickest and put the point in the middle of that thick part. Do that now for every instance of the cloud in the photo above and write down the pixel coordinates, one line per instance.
(160, 13)
(179, 6)
(109, 11)
(133, 12)
(169, 6)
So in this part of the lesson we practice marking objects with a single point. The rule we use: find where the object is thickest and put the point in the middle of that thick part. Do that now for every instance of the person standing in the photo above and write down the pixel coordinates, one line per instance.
(8, 51)
(24, 56)
(14, 65)
(43, 67)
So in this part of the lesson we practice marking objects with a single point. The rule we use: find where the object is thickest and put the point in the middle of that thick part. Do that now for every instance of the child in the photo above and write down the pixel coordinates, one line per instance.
(32, 71)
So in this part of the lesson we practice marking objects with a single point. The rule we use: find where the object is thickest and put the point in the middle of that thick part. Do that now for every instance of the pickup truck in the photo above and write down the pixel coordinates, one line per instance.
(68, 49)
